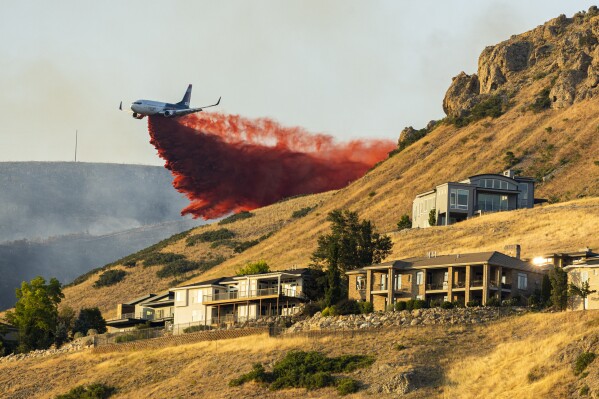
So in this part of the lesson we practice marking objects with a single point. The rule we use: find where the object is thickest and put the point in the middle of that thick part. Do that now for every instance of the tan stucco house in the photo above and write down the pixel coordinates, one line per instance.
(586, 270)
(459, 277)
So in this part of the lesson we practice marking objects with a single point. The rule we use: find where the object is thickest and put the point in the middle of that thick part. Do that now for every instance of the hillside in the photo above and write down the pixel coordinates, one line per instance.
(530, 356)
(551, 138)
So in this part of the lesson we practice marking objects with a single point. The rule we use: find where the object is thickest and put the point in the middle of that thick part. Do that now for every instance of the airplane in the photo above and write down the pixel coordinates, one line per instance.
(142, 108)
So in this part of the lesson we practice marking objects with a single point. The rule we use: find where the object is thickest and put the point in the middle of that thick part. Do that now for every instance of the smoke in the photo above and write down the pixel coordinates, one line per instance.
(227, 163)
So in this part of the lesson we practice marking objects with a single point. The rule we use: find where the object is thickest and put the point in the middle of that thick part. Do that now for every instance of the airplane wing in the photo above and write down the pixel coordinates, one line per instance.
(181, 112)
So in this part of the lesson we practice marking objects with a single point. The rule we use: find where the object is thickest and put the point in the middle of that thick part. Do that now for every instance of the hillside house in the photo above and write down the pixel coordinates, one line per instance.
(461, 277)
(457, 201)
(157, 310)
(563, 259)
(229, 300)
(8, 332)
(584, 270)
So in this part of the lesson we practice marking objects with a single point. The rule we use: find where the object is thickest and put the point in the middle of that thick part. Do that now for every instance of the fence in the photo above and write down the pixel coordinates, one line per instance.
(129, 336)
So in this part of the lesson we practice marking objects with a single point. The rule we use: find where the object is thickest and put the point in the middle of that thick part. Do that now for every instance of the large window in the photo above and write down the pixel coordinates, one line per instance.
(397, 282)
(458, 199)
(522, 281)
(523, 196)
(496, 184)
(492, 202)
(361, 283)
(419, 278)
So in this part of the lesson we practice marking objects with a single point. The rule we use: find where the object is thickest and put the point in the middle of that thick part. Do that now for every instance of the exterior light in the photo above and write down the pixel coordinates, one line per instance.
(539, 261)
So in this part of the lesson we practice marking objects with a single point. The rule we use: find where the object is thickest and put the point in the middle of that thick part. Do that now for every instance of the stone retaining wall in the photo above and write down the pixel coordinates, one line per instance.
(405, 318)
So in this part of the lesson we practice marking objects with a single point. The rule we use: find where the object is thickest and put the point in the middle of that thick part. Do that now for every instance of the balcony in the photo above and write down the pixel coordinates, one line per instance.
(244, 295)
(157, 315)
(380, 287)
(459, 284)
(437, 286)
(476, 283)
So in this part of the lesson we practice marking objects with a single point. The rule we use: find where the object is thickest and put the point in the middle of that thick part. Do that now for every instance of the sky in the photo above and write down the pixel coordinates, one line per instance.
(351, 69)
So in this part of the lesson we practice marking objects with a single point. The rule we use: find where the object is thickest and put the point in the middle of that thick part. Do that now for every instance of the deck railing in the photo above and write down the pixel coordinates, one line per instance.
(225, 296)
(437, 286)
(156, 315)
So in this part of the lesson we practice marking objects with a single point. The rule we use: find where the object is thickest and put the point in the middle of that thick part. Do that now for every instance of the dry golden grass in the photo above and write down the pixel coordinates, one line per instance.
(492, 360)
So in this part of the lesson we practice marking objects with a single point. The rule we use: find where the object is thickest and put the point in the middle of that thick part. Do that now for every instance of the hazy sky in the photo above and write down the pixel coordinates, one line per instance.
(347, 68)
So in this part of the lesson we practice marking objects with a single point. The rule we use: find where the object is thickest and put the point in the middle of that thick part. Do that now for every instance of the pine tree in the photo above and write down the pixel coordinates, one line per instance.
(559, 288)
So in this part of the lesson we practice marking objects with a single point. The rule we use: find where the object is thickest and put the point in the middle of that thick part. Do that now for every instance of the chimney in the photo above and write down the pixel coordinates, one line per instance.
(514, 250)
(518, 250)
(509, 173)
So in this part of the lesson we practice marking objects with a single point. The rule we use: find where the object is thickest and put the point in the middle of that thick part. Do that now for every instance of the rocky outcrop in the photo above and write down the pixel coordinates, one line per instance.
(405, 318)
(564, 51)
(75, 346)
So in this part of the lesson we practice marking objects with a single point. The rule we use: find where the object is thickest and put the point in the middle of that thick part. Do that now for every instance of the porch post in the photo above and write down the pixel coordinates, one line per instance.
(485, 284)
(467, 285)
(450, 284)
(369, 285)
(499, 273)
(390, 287)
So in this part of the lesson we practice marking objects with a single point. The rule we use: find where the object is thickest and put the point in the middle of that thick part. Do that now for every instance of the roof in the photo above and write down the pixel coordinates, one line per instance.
(493, 258)
(140, 299)
(213, 281)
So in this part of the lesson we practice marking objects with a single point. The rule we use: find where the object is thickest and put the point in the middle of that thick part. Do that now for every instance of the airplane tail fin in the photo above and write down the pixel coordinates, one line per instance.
(186, 97)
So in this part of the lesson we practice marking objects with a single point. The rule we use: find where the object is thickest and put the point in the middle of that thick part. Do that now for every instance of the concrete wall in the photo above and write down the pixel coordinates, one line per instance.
(575, 276)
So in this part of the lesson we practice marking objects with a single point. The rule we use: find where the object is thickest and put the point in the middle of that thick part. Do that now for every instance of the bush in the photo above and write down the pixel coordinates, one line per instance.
(300, 213)
(542, 101)
(420, 304)
(347, 306)
(366, 307)
(126, 338)
(78, 335)
(346, 385)
(447, 305)
(93, 391)
(434, 303)
(236, 217)
(89, 319)
(399, 347)
(242, 246)
(257, 267)
(494, 302)
(491, 107)
(110, 277)
(473, 304)
(328, 311)
(182, 266)
(400, 305)
(159, 258)
(582, 361)
(195, 329)
(404, 222)
(310, 370)
(310, 309)
(210, 236)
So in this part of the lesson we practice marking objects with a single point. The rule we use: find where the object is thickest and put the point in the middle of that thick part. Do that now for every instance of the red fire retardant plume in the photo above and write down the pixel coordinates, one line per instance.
(226, 163)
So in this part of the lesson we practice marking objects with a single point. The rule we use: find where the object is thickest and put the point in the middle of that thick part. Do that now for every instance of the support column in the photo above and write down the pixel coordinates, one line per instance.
(368, 286)
(467, 284)
(486, 276)
(390, 287)
(499, 272)
(424, 273)
(450, 284)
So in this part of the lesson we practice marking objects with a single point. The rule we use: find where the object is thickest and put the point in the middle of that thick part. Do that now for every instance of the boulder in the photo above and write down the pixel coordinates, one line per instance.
(462, 95)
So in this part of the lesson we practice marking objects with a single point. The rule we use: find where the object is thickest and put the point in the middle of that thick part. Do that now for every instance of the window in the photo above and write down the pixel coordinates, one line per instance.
(584, 277)
(419, 278)
(458, 198)
(383, 281)
(496, 184)
(179, 296)
(361, 283)
(397, 283)
(200, 298)
(522, 281)
(492, 202)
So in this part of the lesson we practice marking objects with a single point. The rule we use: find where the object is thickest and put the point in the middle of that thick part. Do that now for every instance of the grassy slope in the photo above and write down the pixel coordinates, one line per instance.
(529, 356)
(446, 154)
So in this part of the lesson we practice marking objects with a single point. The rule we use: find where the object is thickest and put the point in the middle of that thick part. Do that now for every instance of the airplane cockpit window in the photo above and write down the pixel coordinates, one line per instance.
(137, 102)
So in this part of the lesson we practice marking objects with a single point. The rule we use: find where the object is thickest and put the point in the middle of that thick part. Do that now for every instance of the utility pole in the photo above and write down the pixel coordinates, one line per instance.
(76, 134)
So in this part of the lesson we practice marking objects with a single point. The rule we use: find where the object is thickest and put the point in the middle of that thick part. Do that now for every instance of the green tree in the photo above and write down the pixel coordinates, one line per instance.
(404, 222)
(258, 267)
(352, 243)
(545, 291)
(432, 217)
(66, 318)
(583, 292)
(89, 318)
(559, 288)
(36, 313)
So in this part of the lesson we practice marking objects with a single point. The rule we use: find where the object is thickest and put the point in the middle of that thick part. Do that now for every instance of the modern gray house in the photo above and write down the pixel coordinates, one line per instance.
(457, 201)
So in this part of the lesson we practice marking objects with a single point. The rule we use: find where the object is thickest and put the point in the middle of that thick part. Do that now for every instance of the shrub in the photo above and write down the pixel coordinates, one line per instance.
(366, 307)
(183, 266)
(347, 385)
(435, 303)
(404, 222)
(110, 277)
(310, 370)
(126, 338)
(494, 302)
(400, 305)
(473, 304)
(89, 319)
(582, 361)
(93, 391)
(432, 217)
(328, 311)
(490, 107)
(420, 304)
(195, 329)
(242, 246)
(159, 258)
(458, 304)
(257, 267)
(399, 347)
(210, 236)
(310, 309)
(584, 391)
(347, 306)
(236, 217)
(447, 305)
(78, 335)
(542, 101)
(300, 213)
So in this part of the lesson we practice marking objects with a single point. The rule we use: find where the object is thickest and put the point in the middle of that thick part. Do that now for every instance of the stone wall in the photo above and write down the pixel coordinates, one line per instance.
(405, 318)
(75, 346)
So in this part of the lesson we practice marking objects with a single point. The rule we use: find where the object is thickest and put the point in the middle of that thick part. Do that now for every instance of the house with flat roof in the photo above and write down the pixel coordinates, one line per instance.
(157, 310)
(459, 277)
(456, 201)
(216, 302)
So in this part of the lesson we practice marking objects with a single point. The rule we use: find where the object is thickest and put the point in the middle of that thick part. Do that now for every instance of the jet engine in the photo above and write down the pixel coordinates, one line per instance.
(168, 114)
